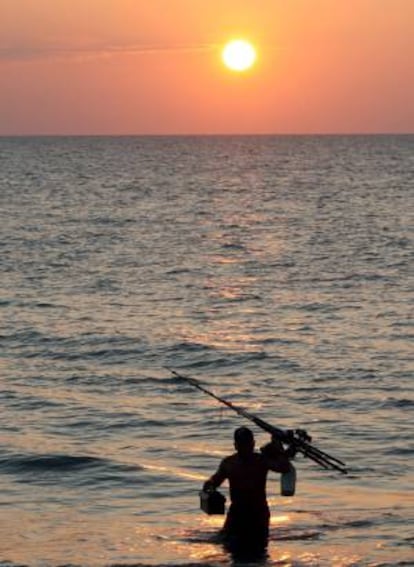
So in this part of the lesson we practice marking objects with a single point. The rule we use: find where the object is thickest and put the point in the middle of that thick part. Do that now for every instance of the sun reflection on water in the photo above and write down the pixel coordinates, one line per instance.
(280, 519)
(172, 471)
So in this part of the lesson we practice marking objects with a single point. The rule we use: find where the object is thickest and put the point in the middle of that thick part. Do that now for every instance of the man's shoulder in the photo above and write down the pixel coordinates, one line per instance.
(230, 459)
(234, 459)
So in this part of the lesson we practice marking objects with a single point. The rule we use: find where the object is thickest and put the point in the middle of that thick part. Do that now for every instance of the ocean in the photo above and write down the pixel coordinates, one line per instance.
(277, 270)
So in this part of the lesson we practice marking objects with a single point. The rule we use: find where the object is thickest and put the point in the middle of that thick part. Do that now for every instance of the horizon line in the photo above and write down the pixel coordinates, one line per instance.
(200, 134)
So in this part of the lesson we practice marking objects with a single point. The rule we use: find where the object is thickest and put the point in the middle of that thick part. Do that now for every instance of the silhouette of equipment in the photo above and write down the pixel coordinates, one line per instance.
(296, 440)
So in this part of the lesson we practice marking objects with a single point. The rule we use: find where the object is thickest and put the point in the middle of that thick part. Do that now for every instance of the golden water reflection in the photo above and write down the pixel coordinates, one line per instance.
(280, 519)
(172, 471)
(79, 537)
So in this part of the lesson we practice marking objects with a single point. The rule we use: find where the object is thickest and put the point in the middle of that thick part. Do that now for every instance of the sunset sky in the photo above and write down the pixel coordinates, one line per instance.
(154, 67)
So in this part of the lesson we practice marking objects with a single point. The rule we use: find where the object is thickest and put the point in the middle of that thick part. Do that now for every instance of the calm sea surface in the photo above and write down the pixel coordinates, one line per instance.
(277, 270)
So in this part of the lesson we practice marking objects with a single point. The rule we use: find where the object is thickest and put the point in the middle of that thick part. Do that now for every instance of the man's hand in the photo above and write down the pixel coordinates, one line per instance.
(275, 449)
(272, 450)
(208, 486)
(291, 452)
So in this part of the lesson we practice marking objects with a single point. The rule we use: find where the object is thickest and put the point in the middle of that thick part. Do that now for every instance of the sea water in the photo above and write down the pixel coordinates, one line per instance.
(277, 270)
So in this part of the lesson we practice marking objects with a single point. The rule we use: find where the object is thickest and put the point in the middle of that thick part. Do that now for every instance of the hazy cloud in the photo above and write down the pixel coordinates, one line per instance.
(41, 52)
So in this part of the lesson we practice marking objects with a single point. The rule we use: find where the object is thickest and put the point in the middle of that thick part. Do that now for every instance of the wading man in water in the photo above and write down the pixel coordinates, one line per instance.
(246, 528)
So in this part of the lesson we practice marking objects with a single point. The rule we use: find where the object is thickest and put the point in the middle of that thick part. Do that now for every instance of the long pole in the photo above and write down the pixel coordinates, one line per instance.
(299, 439)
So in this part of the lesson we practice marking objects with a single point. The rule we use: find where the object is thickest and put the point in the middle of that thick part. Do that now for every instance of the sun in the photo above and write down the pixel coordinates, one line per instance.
(238, 55)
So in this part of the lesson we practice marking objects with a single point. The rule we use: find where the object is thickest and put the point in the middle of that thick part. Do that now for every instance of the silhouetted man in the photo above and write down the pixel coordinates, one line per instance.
(246, 528)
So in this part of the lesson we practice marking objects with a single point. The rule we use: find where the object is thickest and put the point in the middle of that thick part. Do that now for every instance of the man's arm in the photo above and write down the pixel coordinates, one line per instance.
(218, 477)
(276, 458)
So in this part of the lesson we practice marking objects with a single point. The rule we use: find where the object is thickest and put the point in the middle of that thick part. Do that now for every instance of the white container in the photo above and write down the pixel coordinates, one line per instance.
(288, 482)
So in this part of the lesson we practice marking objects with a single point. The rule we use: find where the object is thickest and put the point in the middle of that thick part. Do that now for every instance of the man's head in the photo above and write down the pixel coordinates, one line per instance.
(244, 441)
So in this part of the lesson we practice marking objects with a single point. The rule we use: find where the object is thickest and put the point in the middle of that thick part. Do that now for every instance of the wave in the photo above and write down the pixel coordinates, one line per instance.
(33, 463)
(60, 469)
(398, 403)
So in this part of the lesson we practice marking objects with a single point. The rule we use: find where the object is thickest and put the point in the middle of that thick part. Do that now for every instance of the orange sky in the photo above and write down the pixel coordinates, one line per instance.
(153, 66)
